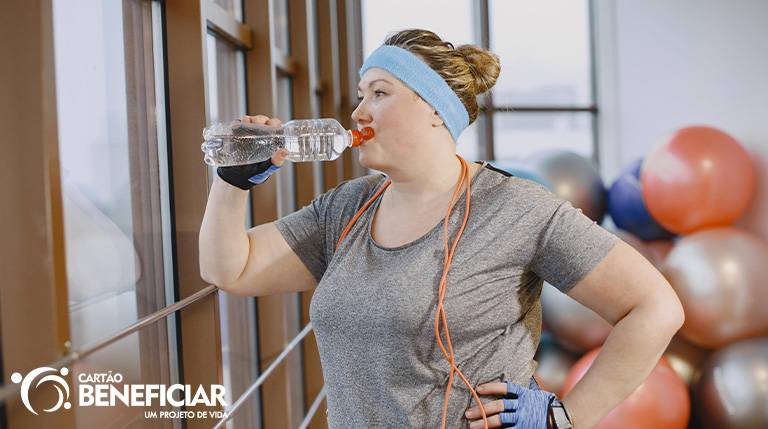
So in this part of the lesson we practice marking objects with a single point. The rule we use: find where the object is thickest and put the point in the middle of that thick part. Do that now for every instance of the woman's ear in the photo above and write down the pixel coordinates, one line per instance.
(437, 121)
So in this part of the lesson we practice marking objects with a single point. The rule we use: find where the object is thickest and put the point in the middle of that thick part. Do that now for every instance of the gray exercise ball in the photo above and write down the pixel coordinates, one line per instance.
(574, 178)
(733, 390)
(686, 359)
(576, 327)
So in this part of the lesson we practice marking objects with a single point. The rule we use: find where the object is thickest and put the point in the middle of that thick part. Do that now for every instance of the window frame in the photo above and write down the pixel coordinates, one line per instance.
(489, 109)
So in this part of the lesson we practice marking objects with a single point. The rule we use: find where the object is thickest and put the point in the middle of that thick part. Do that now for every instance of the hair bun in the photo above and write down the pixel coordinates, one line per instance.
(483, 64)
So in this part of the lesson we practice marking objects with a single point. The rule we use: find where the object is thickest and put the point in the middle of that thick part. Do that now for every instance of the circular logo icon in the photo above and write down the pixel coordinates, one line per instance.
(58, 382)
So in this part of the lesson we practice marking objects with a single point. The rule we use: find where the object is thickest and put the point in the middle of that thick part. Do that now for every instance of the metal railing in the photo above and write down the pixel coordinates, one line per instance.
(259, 381)
(10, 390)
(313, 409)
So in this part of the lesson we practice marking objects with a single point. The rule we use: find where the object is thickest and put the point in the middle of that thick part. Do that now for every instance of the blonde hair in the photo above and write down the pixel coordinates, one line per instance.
(469, 70)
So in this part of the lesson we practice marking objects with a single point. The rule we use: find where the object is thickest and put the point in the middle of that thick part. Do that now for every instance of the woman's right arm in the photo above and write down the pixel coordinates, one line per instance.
(255, 262)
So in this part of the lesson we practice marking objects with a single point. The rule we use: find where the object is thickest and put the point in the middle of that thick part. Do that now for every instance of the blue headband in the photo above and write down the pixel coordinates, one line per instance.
(424, 81)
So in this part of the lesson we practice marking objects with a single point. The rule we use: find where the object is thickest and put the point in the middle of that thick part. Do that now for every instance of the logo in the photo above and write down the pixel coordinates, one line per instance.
(106, 389)
(58, 381)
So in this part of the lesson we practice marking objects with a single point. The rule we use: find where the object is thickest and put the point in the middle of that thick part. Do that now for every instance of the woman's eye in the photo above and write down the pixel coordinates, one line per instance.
(360, 98)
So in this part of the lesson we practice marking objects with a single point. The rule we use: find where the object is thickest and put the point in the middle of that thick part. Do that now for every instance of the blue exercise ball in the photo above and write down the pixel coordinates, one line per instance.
(627, 209)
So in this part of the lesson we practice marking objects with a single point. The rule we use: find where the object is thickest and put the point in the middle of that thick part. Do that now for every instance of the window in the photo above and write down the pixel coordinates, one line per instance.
(544, 50)
(282, 32)
(286, 194)
(225, 70)
(453, 23)
(233, 7)
(132, 83)
(519, 135)
(543, 98)
(113, 159)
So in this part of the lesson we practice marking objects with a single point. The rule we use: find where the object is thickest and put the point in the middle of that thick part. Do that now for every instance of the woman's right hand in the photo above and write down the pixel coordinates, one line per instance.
(246, 176)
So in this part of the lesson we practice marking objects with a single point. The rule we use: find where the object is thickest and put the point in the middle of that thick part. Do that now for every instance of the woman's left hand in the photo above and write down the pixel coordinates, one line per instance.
(519, 407)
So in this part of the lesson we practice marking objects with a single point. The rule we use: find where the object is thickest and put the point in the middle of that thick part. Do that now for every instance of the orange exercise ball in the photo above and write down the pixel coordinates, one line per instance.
(660, 402)
(700, 178)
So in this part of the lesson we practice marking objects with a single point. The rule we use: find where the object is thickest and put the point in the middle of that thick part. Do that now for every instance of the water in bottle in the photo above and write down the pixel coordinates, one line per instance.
(242, 143)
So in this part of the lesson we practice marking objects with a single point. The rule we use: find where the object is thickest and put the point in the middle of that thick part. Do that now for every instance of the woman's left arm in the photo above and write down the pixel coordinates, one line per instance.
(628, 292)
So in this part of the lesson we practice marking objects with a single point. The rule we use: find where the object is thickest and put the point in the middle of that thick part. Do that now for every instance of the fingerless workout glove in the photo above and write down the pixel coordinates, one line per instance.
(246, 176)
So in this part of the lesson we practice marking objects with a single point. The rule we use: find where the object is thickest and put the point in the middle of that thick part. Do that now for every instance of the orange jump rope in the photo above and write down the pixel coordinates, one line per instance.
(440, 312)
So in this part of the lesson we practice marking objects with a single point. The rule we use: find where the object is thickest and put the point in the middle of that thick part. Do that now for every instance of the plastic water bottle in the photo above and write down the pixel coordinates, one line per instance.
(242, 143)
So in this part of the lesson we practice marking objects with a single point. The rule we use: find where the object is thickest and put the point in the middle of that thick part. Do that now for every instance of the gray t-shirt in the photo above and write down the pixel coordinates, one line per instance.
(374, 307)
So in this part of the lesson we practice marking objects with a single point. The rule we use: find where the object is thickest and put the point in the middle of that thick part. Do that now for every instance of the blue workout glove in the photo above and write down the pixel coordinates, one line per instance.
(246, 176)
(526, 408)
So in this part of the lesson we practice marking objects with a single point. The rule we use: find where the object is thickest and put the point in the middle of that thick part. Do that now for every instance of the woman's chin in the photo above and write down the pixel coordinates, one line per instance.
(364, 158)
(371, 158)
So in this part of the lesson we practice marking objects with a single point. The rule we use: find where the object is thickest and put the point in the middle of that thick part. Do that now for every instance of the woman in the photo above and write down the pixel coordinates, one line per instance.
(388, 279)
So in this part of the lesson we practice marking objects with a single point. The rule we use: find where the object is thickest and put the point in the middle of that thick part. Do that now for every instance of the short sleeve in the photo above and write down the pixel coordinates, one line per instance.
(569, 246)
(304, 231)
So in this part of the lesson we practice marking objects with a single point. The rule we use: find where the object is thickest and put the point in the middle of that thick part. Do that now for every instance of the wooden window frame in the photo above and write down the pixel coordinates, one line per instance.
(33, 297)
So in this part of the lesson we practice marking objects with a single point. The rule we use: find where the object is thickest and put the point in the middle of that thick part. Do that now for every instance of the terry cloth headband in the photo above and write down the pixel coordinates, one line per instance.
(424, 81)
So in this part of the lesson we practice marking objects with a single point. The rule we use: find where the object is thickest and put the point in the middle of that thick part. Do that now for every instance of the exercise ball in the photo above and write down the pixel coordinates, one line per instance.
(754, 219)
(686, 359)
(576, 327)
(554, 362)
(733, 390)
(699, 178)
(720, 277)
(659, 249)
(627, 209)
(661, 401)
(571, 177)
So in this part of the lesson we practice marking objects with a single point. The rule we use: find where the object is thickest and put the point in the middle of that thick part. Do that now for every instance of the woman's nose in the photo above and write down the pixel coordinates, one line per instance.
(361, 115)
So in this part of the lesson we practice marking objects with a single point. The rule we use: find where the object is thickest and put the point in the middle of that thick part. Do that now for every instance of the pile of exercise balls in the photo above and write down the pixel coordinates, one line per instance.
(678, 208)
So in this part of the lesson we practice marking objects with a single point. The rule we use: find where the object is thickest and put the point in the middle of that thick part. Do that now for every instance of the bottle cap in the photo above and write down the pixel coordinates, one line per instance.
(358, 137)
